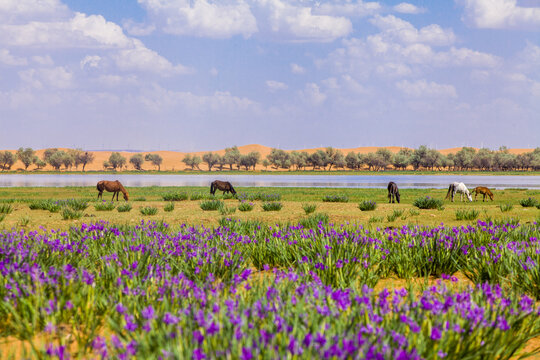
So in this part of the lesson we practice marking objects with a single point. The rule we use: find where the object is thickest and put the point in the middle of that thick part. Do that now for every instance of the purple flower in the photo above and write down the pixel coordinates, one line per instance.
(198, 336)
(246, 354)
(198, 354)
(117, 343)
(170, 319)
(131, 325)
(435, 333)
(148, 313)
(121, 308)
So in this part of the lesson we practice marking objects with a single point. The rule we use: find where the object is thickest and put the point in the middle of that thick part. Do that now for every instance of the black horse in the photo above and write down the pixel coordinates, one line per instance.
(224, 186)
(393, 192)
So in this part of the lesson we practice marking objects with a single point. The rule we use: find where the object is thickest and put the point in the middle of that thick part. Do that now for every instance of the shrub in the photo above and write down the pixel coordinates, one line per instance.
(54, 207)
(245, 206)
(175, 196)
(6, 209)
(74, 204)
(140, 198)
(530, 202)
(272, 206)
(227, 210)
(414, 212)
(211, 205)
(506, 207)
(336, 198)
(124, 208)
(258, 196)
(169, 207)
(70, 213)
(428, 203)
(309, 208)
(467, 214)
(375, 219)
(24, 221)
(314, 220)
(104, 206)
(148, 210)
(198, 196)
(394, 215)
(228, 196)
(367, 205)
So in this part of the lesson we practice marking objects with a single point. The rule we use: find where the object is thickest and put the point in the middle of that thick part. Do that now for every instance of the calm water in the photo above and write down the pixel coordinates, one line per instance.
(334, 181)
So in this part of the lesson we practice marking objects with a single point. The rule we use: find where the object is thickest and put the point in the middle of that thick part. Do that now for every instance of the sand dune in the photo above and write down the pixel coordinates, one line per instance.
(172, 160)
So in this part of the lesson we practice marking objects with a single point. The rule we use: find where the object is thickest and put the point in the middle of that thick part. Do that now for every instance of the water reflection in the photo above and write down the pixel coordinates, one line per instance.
(333, 181)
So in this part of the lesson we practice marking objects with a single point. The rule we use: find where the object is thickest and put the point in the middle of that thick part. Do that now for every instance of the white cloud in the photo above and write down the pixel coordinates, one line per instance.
(8, 59)
(403, 31)
(312, 95)
(16, 11)
(407, 8)
(348, 8)
(298, 23)
(278, 19)
(57, 78)
(274, 86)
(424, 89)
(297, 69)
(91, 61)
(138, 29)
(140, 58)
(500, 14)
(203, 18)
(45, 60)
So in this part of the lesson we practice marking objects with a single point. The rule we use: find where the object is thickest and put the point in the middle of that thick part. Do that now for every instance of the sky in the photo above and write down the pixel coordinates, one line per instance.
(200, 75)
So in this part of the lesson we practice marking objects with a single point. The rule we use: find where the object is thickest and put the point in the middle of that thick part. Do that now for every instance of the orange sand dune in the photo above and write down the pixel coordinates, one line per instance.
(172, 160)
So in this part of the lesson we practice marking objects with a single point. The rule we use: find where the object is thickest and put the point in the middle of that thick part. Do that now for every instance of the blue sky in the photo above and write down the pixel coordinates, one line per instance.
(195, 75)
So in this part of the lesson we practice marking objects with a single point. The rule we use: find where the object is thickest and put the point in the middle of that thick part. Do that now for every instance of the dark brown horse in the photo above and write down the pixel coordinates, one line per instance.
(112, 186)
(224, 186)
(482, 190)
(393, 192)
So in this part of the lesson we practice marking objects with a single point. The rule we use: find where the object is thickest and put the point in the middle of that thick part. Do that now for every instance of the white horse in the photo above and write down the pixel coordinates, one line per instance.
(458, 188)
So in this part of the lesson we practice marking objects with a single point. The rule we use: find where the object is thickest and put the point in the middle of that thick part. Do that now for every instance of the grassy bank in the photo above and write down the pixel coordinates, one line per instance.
(292, 200)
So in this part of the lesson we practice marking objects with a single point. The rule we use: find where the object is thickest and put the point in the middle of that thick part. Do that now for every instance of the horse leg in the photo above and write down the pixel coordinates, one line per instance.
(389, 197)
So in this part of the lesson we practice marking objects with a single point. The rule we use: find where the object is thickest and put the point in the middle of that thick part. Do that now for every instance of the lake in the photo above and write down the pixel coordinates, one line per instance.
(331, 181)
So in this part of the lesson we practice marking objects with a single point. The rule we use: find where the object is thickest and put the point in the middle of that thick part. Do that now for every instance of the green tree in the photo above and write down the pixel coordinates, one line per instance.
(384, 157)
(7, 159)
(85, 158)
(137, 160)
(211, 159)
(192, 161)
(335, 158)
(464, 158)
(117, 161)
(483, 159)
(48, 153)
(155, 159)
(279, 159)
(352, 161)
(27, 157)
(59, 158)
(231, 157)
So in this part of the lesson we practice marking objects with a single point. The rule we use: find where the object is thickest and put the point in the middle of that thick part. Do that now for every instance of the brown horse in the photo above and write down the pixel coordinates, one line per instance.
(482, 190)
(111, 186)
(224, 186)
(393, 192)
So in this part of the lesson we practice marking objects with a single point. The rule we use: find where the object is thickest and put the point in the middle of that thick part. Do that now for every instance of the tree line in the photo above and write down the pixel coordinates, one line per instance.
(422, 158)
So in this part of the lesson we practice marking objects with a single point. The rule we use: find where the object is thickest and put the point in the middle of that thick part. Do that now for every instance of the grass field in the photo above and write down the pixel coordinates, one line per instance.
(187, 283)
(190, 212)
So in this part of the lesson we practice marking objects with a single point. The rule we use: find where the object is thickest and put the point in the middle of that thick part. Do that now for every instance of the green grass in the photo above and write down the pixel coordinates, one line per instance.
(69, 213)
(506, 207)
(104, 206)
(176, 196)
(169, 207)
(124, 208)
(309, 208)
(428, 203)
(342, 198)
(211, 205)
(530, 202)
(467, 214)
(245, 206)
(6, 209)
(394, 215)
(148, 210)
(272, 206)
(367, 205)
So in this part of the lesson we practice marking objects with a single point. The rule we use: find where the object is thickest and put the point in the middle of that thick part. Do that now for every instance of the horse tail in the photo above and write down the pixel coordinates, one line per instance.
(212, 188)
(450, 190)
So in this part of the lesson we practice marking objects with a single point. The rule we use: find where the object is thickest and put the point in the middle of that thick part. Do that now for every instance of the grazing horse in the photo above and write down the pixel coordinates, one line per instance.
(458, 188)
(111, 186)
(482, 190)
(393, 192)
(224, 186)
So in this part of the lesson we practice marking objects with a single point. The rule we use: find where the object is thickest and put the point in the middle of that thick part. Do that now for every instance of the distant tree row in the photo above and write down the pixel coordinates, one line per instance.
(422, 158)
(54, 157)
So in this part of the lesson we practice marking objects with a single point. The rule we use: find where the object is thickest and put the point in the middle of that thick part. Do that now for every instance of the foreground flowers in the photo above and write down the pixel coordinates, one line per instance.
(149, 292)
